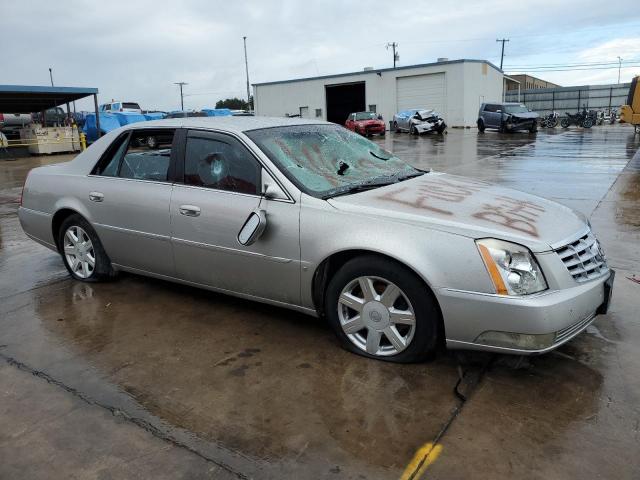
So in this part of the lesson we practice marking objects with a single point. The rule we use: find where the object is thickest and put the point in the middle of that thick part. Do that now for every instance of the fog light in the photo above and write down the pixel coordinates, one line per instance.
(523, 341)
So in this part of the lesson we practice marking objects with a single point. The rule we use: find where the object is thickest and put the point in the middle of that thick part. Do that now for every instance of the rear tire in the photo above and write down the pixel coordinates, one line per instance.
(395, 126)
(564, 123)
(404, 324)
(588, 123)
(82, 252)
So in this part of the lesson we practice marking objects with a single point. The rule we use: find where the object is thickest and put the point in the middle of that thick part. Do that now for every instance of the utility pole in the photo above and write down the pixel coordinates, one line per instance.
(619, 67)
(396, 56)
(246, 66)
(51, 75)
(181, 84)
(503, 40)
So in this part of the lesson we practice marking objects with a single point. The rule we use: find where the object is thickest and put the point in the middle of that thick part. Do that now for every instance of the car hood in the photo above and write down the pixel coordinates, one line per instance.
(471, 208)
(525, 115)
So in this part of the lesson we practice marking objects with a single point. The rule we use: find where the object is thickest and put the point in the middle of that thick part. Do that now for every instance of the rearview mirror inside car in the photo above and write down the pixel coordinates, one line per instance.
(252, 228)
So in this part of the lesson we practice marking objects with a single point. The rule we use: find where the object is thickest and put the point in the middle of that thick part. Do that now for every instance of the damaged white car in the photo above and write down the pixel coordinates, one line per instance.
(418, 120)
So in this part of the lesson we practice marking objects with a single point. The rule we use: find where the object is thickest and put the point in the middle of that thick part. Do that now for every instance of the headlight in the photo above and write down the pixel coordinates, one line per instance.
(512, 267)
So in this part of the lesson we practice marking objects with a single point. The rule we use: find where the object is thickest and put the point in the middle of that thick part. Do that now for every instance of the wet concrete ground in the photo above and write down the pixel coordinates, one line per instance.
(145, 378)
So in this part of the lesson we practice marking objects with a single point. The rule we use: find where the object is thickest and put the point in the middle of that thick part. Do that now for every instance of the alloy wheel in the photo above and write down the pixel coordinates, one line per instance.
(376, 316)
(79, 252)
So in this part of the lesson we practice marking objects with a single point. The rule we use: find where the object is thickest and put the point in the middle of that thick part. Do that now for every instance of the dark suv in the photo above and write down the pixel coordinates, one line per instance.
(507, 117)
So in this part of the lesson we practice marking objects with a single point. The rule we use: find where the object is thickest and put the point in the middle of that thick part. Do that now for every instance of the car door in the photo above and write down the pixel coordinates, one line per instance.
(495, 114)
(128, 196)
(351, 124)
(221, 188)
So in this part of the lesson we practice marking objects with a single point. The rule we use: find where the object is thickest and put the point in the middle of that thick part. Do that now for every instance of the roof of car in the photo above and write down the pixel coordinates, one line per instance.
(235, 124)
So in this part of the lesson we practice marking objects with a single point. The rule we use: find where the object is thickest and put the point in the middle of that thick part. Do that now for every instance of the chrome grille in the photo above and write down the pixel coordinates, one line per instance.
(584, 258)
(573, 329)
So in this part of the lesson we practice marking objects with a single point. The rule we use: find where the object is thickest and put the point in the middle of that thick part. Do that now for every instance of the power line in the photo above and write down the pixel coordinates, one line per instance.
(584, 64)
(572, 69)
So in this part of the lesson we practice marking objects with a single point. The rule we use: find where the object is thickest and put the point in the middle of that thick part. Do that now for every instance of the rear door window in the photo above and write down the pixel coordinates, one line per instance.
(143, 154)
(148, 155)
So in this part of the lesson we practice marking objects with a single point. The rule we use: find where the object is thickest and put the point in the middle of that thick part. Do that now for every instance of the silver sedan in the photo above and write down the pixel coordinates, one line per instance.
(309, 216)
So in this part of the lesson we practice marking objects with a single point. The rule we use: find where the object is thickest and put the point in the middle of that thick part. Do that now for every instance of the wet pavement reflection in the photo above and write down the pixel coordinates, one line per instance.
(268, 393)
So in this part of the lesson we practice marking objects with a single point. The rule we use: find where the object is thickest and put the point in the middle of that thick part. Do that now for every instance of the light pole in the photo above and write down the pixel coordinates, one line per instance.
(246, 66)
(51, 75)
(181, 84)
(619, 67)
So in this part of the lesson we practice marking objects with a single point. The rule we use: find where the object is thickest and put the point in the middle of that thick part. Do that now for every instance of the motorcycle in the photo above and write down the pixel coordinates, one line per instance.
(550, 120)
(612, 116)
(580, 119)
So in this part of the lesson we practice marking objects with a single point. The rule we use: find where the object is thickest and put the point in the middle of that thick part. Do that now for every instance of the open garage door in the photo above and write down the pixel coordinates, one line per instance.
(422, 91)
(344, 99)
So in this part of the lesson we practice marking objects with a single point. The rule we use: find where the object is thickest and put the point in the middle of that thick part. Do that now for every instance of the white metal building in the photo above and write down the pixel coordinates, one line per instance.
(455, 88)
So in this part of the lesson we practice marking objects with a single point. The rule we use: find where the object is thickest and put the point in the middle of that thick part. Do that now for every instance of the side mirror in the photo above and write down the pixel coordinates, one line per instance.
(252, 228)
(379, 117)
(270, 188)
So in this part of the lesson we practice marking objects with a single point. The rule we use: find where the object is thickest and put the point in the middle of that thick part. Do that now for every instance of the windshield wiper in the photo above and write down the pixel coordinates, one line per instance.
(359, 187)
(375, 183)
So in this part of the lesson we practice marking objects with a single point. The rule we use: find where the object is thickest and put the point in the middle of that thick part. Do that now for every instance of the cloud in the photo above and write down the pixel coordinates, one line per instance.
(135, 50)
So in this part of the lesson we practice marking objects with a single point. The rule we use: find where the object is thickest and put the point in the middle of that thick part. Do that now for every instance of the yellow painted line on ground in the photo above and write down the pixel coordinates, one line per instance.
(425, 456)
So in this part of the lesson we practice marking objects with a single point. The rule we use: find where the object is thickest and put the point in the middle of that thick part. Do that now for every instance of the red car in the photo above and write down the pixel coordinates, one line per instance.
(366, 123)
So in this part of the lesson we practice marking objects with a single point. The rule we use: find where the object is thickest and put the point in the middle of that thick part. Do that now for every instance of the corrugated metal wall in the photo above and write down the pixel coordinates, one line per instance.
(572, 99)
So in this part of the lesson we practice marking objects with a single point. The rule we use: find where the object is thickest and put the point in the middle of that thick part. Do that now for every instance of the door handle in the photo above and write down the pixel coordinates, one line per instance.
(189, 210)
(96, 196)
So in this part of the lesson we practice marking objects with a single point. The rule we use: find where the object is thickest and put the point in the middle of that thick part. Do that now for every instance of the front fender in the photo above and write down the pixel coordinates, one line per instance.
(440, 259)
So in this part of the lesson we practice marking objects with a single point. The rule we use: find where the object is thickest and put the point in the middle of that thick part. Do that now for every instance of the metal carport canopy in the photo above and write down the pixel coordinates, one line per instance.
(29, 99)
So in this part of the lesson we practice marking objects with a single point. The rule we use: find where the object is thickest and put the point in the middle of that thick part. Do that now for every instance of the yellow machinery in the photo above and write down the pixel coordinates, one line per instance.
(630, 113)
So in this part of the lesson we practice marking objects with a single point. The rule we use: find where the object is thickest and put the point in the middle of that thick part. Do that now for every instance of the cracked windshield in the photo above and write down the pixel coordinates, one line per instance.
(326, 160)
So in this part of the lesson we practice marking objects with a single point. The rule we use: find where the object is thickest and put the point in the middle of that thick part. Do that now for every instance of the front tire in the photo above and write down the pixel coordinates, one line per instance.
(481, 125)
(380, 309)
(564, 123)
(82, 252)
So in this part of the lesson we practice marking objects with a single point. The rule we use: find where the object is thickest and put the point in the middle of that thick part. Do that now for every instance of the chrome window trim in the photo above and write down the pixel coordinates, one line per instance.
(159, 182)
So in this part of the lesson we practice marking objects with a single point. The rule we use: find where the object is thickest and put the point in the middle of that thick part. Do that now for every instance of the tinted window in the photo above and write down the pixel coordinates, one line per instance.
(490, 108)
(148, 155)
(221, 164)
(108, 164)
(131, 105)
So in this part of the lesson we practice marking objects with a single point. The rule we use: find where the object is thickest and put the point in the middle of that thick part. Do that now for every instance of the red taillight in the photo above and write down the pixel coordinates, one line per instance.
(1, 117)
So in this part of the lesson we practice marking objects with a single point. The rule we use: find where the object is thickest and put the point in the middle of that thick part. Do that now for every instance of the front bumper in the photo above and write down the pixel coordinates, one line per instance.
(429, 126)
(520, 124)
(551, 318)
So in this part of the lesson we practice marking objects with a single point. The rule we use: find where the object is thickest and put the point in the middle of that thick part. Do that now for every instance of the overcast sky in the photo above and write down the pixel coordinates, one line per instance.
(134, 50)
